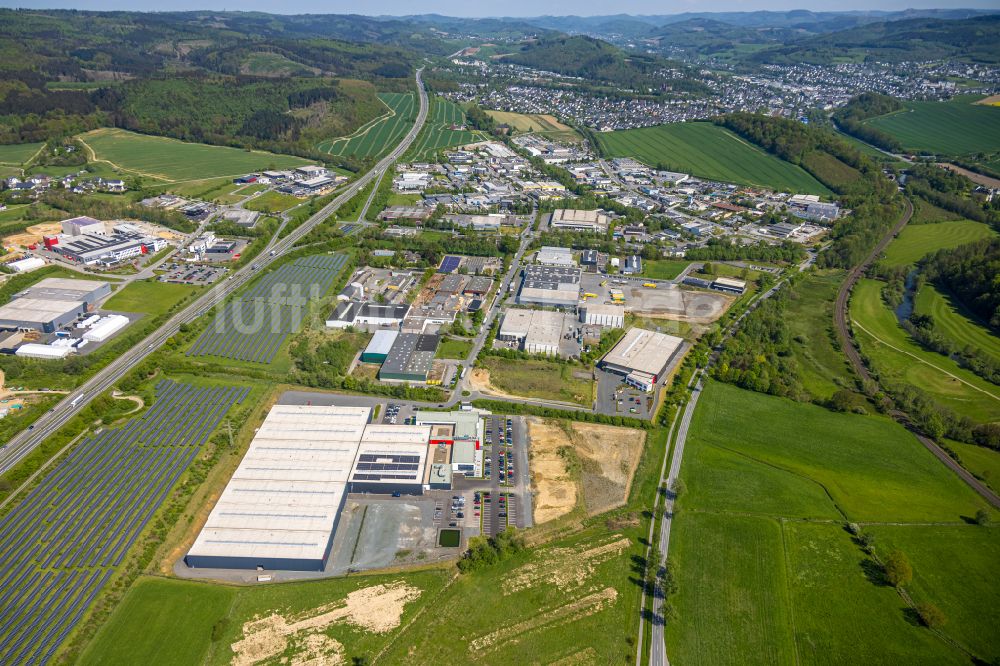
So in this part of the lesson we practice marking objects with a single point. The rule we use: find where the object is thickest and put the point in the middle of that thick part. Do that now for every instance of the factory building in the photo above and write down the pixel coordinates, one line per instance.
(551, 286)
(90, 249)
(355, 313)
(281, 508)
(536, 331)
(282, 504)
(76, 226)
(642, 357)
(51, 304)
(564, 219)
(379, 346)
(602, 314)
(391, 459)
(555, 256)
(729, 285)
(411, 357)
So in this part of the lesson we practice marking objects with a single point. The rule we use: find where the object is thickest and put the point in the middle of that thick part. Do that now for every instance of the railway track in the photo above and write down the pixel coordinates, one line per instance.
(849, 345)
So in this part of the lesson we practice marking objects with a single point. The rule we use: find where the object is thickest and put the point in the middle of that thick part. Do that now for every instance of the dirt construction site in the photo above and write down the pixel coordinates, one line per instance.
(581, 464)
(665, 300)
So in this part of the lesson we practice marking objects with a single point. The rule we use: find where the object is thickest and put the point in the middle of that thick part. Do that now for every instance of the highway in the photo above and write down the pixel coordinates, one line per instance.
(21, 445)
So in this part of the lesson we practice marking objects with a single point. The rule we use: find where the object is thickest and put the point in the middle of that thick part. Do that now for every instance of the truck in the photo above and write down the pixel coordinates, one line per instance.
(649, 285)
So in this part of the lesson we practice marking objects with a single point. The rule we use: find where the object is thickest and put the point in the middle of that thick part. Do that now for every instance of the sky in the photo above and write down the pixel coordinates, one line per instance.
(507, 8)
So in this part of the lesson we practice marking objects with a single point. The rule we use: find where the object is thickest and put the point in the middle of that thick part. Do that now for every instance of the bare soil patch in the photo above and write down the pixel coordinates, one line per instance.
(992, 100)
(565, 568)
(555, 490)
(377, 609)
(33, 234)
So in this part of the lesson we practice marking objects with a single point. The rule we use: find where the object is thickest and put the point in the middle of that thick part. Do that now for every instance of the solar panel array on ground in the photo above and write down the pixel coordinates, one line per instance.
(253, 327)
(59, 545)
(449, 264)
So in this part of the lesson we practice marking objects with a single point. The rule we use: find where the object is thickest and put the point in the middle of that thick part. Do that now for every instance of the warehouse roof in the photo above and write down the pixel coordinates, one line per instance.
(381, 342)
(65, 289)
(392, 454)
(38, 310)
(411, 354)
(466, 423)
(643, 351)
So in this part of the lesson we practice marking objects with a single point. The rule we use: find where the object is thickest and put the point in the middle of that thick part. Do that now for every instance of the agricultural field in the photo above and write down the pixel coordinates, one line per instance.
(536, 378)
(171, 160)
(709, 151)
(437, 133)
(956, 127)
(663, 269)
(272, 202)
(953, 321)
(536, 123)
(376, 136)
(149, 296)
(899, 358)
(254, 326)
(917, 241)
(62, 542)
(454, 348)
(16, 154)
(766, 573)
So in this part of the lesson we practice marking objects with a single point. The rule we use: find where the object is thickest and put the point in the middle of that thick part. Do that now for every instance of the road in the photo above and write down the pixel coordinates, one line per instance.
(26, 441)
(847, 343)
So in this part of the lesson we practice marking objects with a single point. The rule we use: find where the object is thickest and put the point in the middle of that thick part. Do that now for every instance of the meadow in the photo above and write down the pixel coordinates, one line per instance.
(823, 368)
(149, 296)
(956, 323)
(956, 127)
(709, 151)
(378, 135)
(981, 461)
(663, 269)
(537, 378)
(918, 240)
(898, 357)
(272, 202)
(454, 348)
(766, 572)
(18, 153)
(172, 160)
(437, 133)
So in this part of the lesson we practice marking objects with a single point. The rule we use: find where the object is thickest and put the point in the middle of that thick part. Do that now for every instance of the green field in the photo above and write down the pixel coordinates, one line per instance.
(917, 241)
(981, 461)
(823, 368)
(766, 572)
(957, 127)
(925, 212)
(272, 202)
(437, 133)
(172, 160)
(898, 357)
(709, 151)
(954, 321)
(454, 348)
(16, 154)
(376, 136)
(537, 123)
(663, 269)
(546, 380)
(149, 296)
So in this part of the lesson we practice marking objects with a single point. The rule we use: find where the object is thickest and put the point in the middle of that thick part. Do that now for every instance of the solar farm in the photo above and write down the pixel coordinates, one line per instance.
(60, 544)
(438, 133)
(254, 326)
(373, 138)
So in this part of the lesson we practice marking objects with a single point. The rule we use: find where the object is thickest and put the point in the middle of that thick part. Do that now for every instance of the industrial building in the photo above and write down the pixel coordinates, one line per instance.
(49, 352)
(391, 459)
(356, 313)
(633, 265)
(552, 286)
(555, 256)
(564, 219)
(411, 358)
(536, 331)
(729, 285)
(642, 357)
(602, 314)
(282, 504)
(105, 327)
(76, 226)
(379, 346)
(51, 304)
(89, 249)
(26, 265)
(281, 507)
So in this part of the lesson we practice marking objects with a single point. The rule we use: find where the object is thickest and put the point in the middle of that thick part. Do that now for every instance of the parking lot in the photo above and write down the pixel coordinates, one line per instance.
(615, 398)
(195, 274)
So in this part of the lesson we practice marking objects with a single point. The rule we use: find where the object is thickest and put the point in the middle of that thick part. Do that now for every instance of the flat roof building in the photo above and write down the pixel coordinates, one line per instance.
(729, 285)
(282, 504)
(602, 314)
(536, 331)
(566, 219)
(379, 346)
(642, 351)
(36, 314)
(549, 286)
(411, 357)
(357, 313)
(555, 256)
(67, 289)
(391, 459)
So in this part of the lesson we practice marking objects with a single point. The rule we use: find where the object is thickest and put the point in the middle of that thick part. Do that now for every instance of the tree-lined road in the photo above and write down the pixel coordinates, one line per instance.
(26, 441)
